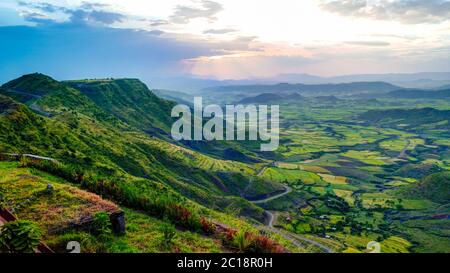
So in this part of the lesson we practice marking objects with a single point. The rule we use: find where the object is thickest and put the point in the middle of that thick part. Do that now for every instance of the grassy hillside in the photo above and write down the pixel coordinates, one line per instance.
(434, 187)
(110, 147)
(66, 212)
(131, 101)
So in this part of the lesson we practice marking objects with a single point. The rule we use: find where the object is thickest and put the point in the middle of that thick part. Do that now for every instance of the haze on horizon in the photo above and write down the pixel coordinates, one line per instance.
(222, 39)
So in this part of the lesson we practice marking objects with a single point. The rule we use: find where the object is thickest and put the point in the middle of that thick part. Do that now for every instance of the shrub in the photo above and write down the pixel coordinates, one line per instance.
(263, 244)
(182, 216)
(243, 241)
(169, 233)
(207, 226)
(20, 237)
(228, 236)
(101, 226)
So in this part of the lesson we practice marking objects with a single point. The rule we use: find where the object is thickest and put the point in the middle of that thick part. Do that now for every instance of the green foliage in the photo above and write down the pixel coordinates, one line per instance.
(101, 226)
(20, 237)
(168, 234)
(243, 241)
(131, 101)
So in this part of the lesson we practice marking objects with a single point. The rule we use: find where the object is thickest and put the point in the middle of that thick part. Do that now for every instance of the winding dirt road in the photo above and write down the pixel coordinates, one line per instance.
(270, 218)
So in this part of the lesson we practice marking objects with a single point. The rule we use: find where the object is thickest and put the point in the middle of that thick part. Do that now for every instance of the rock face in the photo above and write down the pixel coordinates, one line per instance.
(118, 222)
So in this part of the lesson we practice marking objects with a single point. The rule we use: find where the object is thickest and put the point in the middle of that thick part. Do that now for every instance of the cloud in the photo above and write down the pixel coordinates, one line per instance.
(156, 32)
(80, 16)
(158, 22)
(368, 43)
(36, 17)
(44, 7)
(184, 14)
(219, 31)
(404, 11)
(86, 13)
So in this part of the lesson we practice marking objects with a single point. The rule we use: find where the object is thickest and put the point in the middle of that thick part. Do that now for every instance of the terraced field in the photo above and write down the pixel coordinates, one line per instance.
(349, 176)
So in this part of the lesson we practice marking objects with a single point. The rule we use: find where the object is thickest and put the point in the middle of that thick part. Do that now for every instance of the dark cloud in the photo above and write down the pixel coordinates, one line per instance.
(405, 11)
(184, 14)
(219, 31)
(368, 43)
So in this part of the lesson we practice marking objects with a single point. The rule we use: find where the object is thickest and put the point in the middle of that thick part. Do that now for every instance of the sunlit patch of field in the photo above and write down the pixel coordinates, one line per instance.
(393, 145)
(396, 183)
(327, 160)
(291, 175)
(346, 195)
(315, 169)
(319, 190)
(443, 142)
(384, 200)
(302, 166)
(404, 179)
(332, 179)
(367, 157)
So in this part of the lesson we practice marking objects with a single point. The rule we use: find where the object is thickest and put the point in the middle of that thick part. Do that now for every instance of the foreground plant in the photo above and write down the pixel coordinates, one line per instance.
(20, 237)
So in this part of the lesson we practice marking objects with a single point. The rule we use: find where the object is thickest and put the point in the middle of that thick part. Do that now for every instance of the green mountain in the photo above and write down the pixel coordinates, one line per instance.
(409, 117)
(83, 129)
(130, 101)
(433, 187)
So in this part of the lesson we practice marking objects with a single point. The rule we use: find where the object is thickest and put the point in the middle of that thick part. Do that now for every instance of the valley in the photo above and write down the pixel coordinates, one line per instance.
(352, 167)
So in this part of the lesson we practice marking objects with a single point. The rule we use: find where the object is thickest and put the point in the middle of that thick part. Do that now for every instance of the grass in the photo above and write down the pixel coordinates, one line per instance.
(332, 179)
(291, 176)
(143, 235)
(26, 193)
(367, 157)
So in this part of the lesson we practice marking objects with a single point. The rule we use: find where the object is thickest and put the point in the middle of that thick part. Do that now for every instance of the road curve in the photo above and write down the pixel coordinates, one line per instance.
(270, 218)
(287, 190)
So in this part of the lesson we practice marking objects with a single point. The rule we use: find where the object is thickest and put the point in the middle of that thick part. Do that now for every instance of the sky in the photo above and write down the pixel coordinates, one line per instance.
(222, 39)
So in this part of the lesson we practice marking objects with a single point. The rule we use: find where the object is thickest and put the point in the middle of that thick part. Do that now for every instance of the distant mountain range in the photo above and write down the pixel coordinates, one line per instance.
(309, 89)
(413, 80)
(425, 80)
(419, 94)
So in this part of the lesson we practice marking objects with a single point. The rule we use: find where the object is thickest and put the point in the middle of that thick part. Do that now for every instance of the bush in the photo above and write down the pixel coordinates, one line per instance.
(263, 244)
(101, 226)
(208, 227)
(182, 216)
(20, 237)
(248, 242)
(243, 241)
(169, 233)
